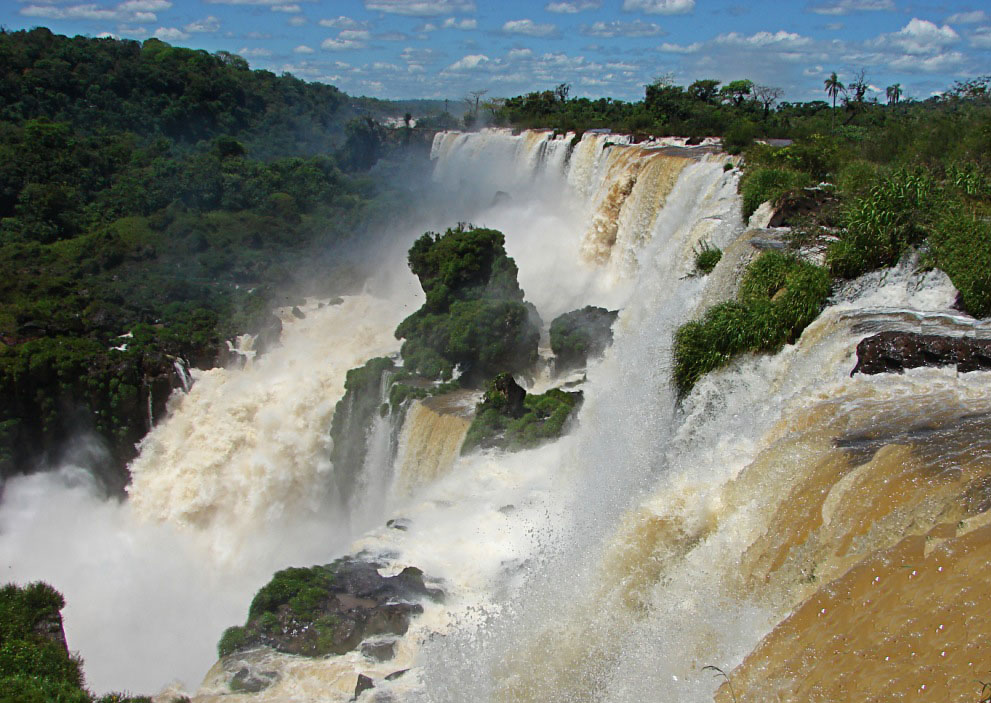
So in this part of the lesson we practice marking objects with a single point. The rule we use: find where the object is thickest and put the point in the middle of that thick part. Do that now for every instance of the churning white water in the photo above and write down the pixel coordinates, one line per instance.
(614, 564)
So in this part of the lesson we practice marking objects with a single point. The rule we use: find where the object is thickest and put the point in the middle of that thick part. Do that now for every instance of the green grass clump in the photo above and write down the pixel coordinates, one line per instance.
(779, 296)
(706, 258)
(758, 185)
(960, 244)
(881, 225)
(302, 589)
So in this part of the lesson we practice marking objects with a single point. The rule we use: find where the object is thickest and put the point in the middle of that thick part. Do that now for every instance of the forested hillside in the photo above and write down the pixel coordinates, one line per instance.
(152, 200)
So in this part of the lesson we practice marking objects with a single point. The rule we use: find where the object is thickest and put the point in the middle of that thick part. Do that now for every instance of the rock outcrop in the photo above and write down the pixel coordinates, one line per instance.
(893, 352)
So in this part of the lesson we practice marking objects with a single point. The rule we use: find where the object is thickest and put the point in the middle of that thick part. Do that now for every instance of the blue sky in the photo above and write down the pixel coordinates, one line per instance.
(445, 48)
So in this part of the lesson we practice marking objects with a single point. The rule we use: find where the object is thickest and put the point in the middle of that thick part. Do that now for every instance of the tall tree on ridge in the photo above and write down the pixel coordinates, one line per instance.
(833, 88)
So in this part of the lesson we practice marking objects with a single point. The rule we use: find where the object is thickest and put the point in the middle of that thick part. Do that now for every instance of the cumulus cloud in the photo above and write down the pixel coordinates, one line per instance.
(343, 22)
(286, 8)
(571, 8)
(659, 7)
(669, 48)
(254, 53)
(845, 7)
(938, 63)
(918, 37)
(981, 38)
(468, 63)
(170, 34)
(421, 8)
(529, 28)
(341, 44)
(779, 39)
(302, 49)
(967, 17)
(297, 21)
(519, 54)
(208, 24)
(637, 28)
(131, 11)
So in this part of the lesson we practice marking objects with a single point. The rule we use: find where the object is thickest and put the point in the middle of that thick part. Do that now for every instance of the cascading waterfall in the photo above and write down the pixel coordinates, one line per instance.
(761, 517)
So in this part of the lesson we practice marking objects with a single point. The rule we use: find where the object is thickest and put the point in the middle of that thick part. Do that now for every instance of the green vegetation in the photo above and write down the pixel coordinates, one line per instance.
(706, 258)
(580, 334)
(761, 184)
(511, 419)
(35, 664)
(474, 316)
(779, 296)
(165, 193)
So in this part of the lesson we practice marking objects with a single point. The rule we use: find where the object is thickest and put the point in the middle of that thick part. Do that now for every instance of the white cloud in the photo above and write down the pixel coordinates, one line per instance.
(918, 37)
(144, 5)
(341, 44)
(421, 8)
(208, 24)
(354, 35)
(529, 28)
(637, 28)
(659, 7)
(107, 35)
(391, 36)
(845, 7)
(967, 17)
(468, 63)
(669, 48)
(170, 34)
(452, 23)
(981, 38)
(938, 63)
(250, 53)
(571, 8)
(263, 3)
(519, 54)
(343, 22)
(302, 49)
(297, 21)
(779, 39)
(90, 11)
(286, 8)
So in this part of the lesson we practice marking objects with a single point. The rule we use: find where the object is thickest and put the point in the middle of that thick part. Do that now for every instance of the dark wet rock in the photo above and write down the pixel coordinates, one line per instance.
(511, 394)
(364, 684)
(400, 523)
(379, 651)
(501, 197)
(797, 205)
(396, 674)
(268, 335)
(579, 335)
(693, 141)
(247, 680)
(330, 609)
(297, 313)
(893, 352)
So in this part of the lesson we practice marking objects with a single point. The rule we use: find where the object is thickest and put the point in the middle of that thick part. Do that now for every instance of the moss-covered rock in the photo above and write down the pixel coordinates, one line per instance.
(579, 335)
(328, 609)
(510, 418)
(474, 316)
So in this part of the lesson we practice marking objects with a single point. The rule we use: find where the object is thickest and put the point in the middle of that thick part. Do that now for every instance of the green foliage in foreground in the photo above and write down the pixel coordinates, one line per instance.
(474, 315)
(35, 666)
(779, 296)
(580, 334)
(960, 244)
(543, 419)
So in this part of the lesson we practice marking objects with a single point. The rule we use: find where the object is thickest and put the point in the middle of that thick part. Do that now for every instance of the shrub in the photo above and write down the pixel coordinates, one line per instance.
(579, 334)
(779, 296)
(881, 225)
(960, 244)
(761, 184)
(739, 135)
(706, 258)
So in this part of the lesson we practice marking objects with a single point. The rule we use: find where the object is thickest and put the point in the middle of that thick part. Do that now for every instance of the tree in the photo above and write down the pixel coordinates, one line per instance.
(704, 90)
(833, 88)
(737, 91)
(766, 96)
(471, 102)
(894, 93)
(562, 91)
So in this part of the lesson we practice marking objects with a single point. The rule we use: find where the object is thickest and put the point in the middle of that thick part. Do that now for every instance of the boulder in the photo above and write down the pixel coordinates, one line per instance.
(893, 352)
(364, 683)
(579, 335)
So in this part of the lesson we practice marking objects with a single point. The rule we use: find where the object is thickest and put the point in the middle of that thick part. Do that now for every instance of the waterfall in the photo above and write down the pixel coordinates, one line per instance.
(801, 529)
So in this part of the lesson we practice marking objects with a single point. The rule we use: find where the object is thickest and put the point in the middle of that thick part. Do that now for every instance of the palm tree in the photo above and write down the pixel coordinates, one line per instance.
(894, 93)
(833, 88)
